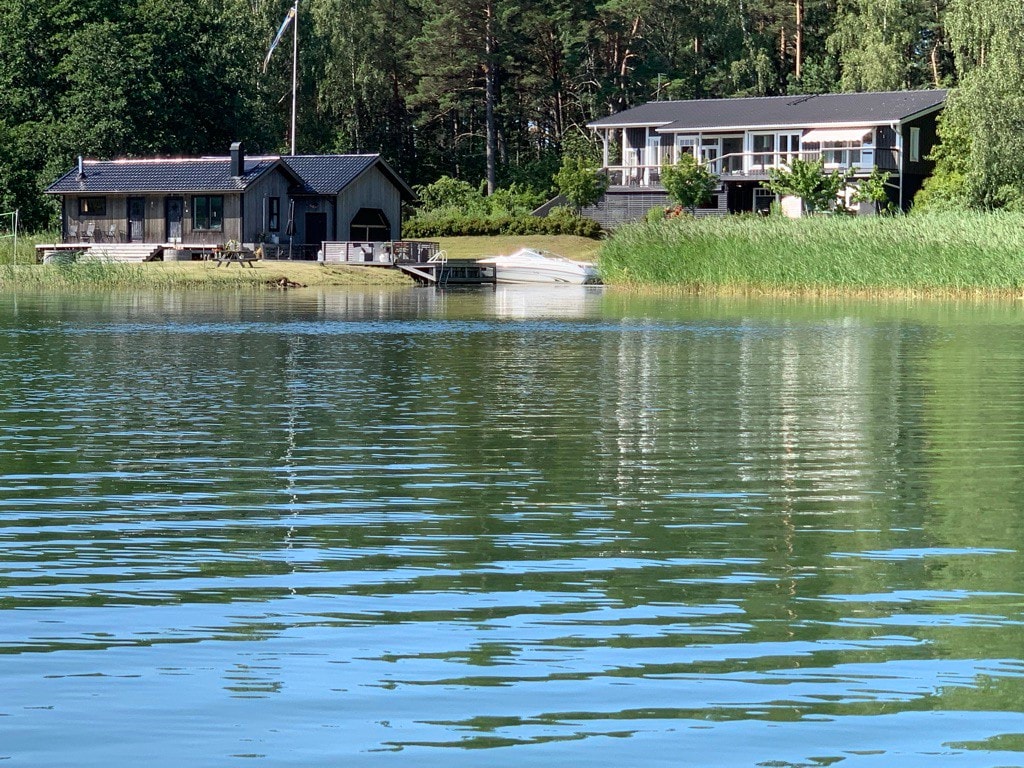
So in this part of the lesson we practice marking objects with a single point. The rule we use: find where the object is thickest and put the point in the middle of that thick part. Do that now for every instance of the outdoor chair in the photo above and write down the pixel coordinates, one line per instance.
(72, 232)
(90, 232)
(112, 233)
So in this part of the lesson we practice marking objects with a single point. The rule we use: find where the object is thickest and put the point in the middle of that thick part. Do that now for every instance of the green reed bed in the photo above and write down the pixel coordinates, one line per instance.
(952, 253)
(108, 274)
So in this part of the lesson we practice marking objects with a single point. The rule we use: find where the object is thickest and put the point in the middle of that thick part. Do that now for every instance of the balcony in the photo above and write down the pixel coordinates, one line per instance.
(754, 166)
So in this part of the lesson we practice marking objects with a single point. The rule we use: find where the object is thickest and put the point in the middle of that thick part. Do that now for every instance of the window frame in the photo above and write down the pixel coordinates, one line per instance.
(914, 153)
(85, 206)
(273, 214)
(203, 213)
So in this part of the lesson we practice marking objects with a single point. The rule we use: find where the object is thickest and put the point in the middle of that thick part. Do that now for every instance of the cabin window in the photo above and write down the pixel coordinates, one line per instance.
(274, 214)
(915, 145)
(208, 212)
(92, 206)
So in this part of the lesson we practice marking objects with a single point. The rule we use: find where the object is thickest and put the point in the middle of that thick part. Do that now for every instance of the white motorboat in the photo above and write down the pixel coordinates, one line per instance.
(530, 265)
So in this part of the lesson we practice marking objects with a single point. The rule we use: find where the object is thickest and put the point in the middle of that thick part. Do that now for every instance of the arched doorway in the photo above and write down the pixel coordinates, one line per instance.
(369, 225)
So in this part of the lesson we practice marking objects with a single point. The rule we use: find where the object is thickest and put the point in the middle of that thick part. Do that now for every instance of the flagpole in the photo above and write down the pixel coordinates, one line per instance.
(295, 66)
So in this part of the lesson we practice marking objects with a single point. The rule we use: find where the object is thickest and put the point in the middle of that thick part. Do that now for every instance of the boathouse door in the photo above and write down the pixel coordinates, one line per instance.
(136, 219)
(369, 225)
(175, 209)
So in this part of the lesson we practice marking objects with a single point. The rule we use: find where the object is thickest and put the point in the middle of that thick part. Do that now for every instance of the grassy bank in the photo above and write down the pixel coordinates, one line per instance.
(20, 270)
(951, 253)
(192, 275)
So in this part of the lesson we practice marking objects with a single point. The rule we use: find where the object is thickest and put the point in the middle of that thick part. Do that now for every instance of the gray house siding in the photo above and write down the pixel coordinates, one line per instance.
(371, 190)
(256, 210)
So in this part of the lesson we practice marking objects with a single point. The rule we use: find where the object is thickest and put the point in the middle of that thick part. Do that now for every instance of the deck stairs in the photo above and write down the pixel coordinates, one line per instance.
(125, 252)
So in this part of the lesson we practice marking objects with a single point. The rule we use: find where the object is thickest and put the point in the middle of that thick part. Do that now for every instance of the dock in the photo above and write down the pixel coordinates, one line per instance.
(424, 261)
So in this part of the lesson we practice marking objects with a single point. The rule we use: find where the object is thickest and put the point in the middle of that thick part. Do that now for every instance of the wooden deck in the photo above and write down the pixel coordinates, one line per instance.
(450, 272)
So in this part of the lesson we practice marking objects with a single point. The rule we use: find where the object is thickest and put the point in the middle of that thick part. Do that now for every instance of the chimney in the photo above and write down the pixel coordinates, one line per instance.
(81, 168)
(237, 160)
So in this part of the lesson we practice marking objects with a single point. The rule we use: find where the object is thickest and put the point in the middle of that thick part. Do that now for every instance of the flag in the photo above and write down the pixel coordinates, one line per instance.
(280, 33)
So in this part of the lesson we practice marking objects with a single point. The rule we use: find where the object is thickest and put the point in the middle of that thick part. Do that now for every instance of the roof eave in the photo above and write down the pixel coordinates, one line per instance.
(922, 112)
(874, 123)
(644, 124)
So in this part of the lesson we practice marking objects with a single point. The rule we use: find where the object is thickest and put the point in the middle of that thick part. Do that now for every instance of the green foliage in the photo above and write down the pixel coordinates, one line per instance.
(688, 183)
(447, 192)
(873, 190)
(432, 85)
(807, 180)
(448, 222)
(988, 108)
(579, 182)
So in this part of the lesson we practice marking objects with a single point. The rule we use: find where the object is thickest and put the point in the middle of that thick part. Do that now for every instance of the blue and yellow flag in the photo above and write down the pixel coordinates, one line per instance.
(280, 33)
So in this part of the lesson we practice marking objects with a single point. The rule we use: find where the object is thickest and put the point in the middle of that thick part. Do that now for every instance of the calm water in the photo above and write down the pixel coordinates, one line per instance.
(509, 529)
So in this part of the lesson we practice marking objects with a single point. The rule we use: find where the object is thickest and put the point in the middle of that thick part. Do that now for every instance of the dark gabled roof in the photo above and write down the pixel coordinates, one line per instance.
(206, 174)
(329, 174)
(778, 111)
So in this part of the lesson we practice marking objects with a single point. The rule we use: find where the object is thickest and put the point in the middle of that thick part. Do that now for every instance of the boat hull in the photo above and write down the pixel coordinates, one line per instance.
(529, 267)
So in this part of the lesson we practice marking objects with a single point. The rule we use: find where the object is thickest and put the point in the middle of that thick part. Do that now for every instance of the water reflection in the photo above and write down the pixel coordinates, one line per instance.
(308, 528)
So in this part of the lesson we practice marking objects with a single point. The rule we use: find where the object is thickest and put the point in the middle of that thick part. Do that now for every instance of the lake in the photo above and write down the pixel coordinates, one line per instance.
(509, 528)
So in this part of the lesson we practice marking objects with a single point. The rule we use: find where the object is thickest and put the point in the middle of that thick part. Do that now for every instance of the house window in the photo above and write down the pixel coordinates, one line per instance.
(764, 150)
(274, 214)
(841, 153)
(208, 212)
(789, 147)
(92, 206)
(685, 145)
(915, 145)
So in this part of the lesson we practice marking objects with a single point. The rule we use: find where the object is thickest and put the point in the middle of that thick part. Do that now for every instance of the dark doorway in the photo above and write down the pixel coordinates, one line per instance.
(136, 219)
(175, 211)
(369, 225)
(316, 227)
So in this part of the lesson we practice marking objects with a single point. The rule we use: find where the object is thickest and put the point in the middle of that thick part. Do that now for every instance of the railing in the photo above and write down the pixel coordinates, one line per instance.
(380, 253)
(757, 164)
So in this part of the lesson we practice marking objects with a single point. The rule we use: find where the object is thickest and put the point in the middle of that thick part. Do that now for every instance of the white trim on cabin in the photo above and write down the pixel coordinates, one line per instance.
(766, 128)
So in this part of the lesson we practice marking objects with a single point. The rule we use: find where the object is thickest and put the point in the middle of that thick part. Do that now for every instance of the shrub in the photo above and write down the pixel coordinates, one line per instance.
(453, 223)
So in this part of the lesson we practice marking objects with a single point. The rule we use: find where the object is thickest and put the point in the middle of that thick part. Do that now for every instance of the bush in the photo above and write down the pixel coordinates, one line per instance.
(450, 222)
(447, 192)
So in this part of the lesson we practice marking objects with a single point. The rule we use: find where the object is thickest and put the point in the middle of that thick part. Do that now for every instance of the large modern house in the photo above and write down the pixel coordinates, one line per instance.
(164, 203)
(741, 139)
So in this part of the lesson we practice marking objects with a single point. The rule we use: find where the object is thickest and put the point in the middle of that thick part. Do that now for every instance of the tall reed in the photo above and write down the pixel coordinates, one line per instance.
(961, 252)
(26, 252)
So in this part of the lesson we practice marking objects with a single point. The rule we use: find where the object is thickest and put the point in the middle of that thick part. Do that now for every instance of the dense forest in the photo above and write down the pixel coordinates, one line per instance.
(489, 91)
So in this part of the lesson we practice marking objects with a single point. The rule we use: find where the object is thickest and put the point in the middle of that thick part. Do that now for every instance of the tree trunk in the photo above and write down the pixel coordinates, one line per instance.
(491, 96)
(799, 52)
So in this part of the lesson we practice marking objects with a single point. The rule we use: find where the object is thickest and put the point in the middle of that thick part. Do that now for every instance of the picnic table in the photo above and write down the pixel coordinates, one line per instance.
(243, 257)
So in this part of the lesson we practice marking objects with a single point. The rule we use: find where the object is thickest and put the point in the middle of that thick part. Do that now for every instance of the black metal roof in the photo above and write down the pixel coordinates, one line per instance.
(312, 174)
(778, 111)
(329, 174)
(206, 174)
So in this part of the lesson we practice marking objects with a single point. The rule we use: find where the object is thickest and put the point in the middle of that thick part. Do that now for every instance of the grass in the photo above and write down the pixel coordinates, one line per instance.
(21, 271)
(959, 253)
(191, 274)
(581, 248)
(26, 253)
